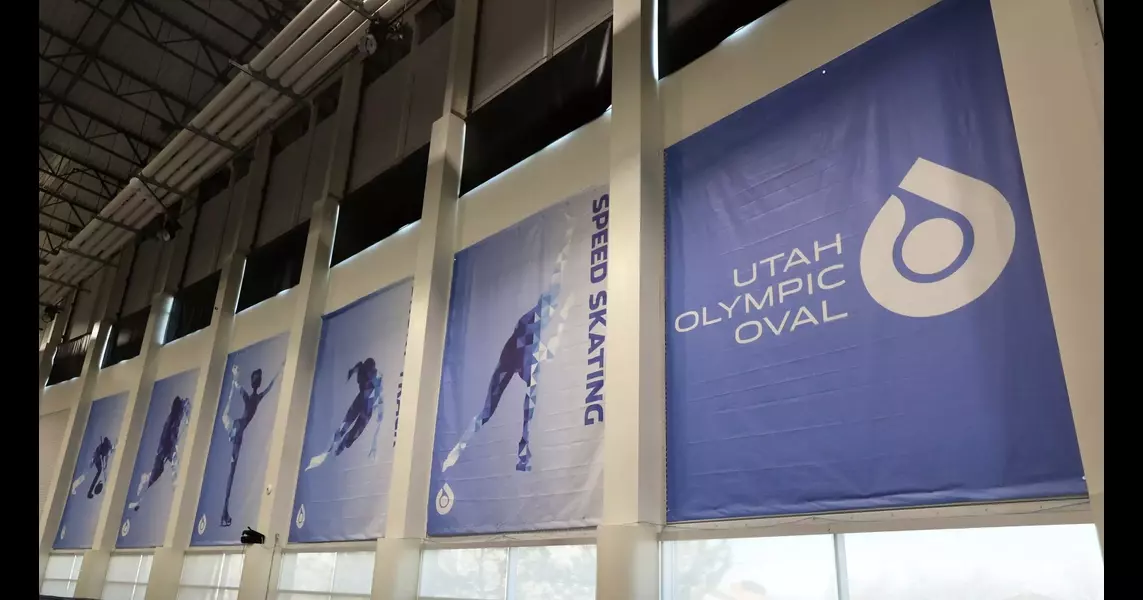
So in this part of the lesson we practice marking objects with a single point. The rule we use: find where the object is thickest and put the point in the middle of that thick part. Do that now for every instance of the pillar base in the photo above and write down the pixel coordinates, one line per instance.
(627, 561)
(166, 569)
(397, 569)
(92, 574)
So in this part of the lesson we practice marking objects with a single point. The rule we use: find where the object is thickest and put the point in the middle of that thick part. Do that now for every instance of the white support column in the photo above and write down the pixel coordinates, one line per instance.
(168, 560)
(397, 567)
(634, 451)
(1053, 63)
(274, 513)
(94, 570)
(53, 338)
(76, 423)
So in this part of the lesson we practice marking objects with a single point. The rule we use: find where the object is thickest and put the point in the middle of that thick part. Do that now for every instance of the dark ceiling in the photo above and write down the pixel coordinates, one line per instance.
(118, 78)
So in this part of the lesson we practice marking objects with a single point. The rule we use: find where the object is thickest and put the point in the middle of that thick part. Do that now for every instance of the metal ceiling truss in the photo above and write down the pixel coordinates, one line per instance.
(94, 186)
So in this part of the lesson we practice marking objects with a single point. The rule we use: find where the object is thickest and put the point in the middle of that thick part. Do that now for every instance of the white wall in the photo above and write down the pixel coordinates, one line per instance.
(376, 267)
(53, 426)
(263, 320)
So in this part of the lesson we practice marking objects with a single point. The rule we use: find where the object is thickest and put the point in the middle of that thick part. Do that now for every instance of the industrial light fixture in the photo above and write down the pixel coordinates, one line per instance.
(169, 229)
(50, 313)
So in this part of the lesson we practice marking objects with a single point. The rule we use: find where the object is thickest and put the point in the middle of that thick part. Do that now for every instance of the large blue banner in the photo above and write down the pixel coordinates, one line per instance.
(87, 487)
(520, 419)
(857, 315)
(236, 464)
(347, 454)
(148, 504)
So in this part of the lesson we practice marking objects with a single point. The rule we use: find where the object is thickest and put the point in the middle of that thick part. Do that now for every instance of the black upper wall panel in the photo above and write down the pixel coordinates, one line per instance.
(376, 210)
(690, 28)
(568, 91)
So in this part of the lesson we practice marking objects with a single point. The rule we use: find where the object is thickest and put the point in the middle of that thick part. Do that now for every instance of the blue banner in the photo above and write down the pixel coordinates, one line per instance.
(856, 310)
(236, 464)
(148, 504)
(87, 487)
(520, 420)
(347, 454)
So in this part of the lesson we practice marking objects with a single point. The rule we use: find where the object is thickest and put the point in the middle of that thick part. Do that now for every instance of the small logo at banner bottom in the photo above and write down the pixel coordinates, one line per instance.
(934, 246)
(63, 531)
(202, 524)
(445, 500)
(300, 519)
(125, 528)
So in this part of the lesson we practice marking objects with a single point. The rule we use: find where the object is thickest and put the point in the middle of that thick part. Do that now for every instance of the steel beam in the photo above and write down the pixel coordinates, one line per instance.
(83, 137)
(95, 212)
(114, 177)
(117, 19)
(64, 178)
(86, 60)
(59, 282)
(152, 144)
(85, 256)
(95, 56)
(56, 232)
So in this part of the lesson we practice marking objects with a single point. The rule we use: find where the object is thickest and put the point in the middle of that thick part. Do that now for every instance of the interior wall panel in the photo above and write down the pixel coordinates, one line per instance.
(208, 237)
(81, 313)
(576, 17)
(315, 175)
(142, 280)
(52, 432)
(283, 191)
(510, 41)
(430, 75)
(236, 222)
(118, 283)
(377, 142)
(180, 249)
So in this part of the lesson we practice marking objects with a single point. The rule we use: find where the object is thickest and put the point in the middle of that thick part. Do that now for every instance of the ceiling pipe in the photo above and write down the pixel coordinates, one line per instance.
(308, 48)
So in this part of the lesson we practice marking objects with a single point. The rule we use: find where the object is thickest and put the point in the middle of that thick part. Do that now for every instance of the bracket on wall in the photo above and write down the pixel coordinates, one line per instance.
(210, 137)
(359, 7)
(270, 83)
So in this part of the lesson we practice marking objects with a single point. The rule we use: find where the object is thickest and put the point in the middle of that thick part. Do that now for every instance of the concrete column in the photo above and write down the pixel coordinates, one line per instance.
(397, 567)
(77, 422)
(274, 514)
(168, 561)
(93, 573)
(1053, 63)
(634, 451)
(53, 337)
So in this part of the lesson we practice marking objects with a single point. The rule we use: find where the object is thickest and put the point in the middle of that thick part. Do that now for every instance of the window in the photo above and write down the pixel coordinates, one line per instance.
(325, 575)
(527, 573)
(1059, 562)
(1056, 562)
(210, 577)
(127, 576)
(771, 568)
(61, 575)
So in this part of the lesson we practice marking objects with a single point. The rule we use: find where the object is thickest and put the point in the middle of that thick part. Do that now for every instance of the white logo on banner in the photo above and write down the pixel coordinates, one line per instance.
(935, 244)
(125, 529)
(63, 531)
(202, 524)
(444, 500)
(300, 519)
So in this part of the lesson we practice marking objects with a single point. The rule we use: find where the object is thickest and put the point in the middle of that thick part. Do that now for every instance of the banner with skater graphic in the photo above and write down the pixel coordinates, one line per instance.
(856, 310)
(343, 479)
(520, 419)
(236, 463)
(87, 486)
(153, 481)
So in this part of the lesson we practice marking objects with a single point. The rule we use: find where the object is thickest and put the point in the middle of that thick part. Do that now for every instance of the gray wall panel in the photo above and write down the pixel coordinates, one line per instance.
(509, 43)
(430, 74)
(377, 143)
